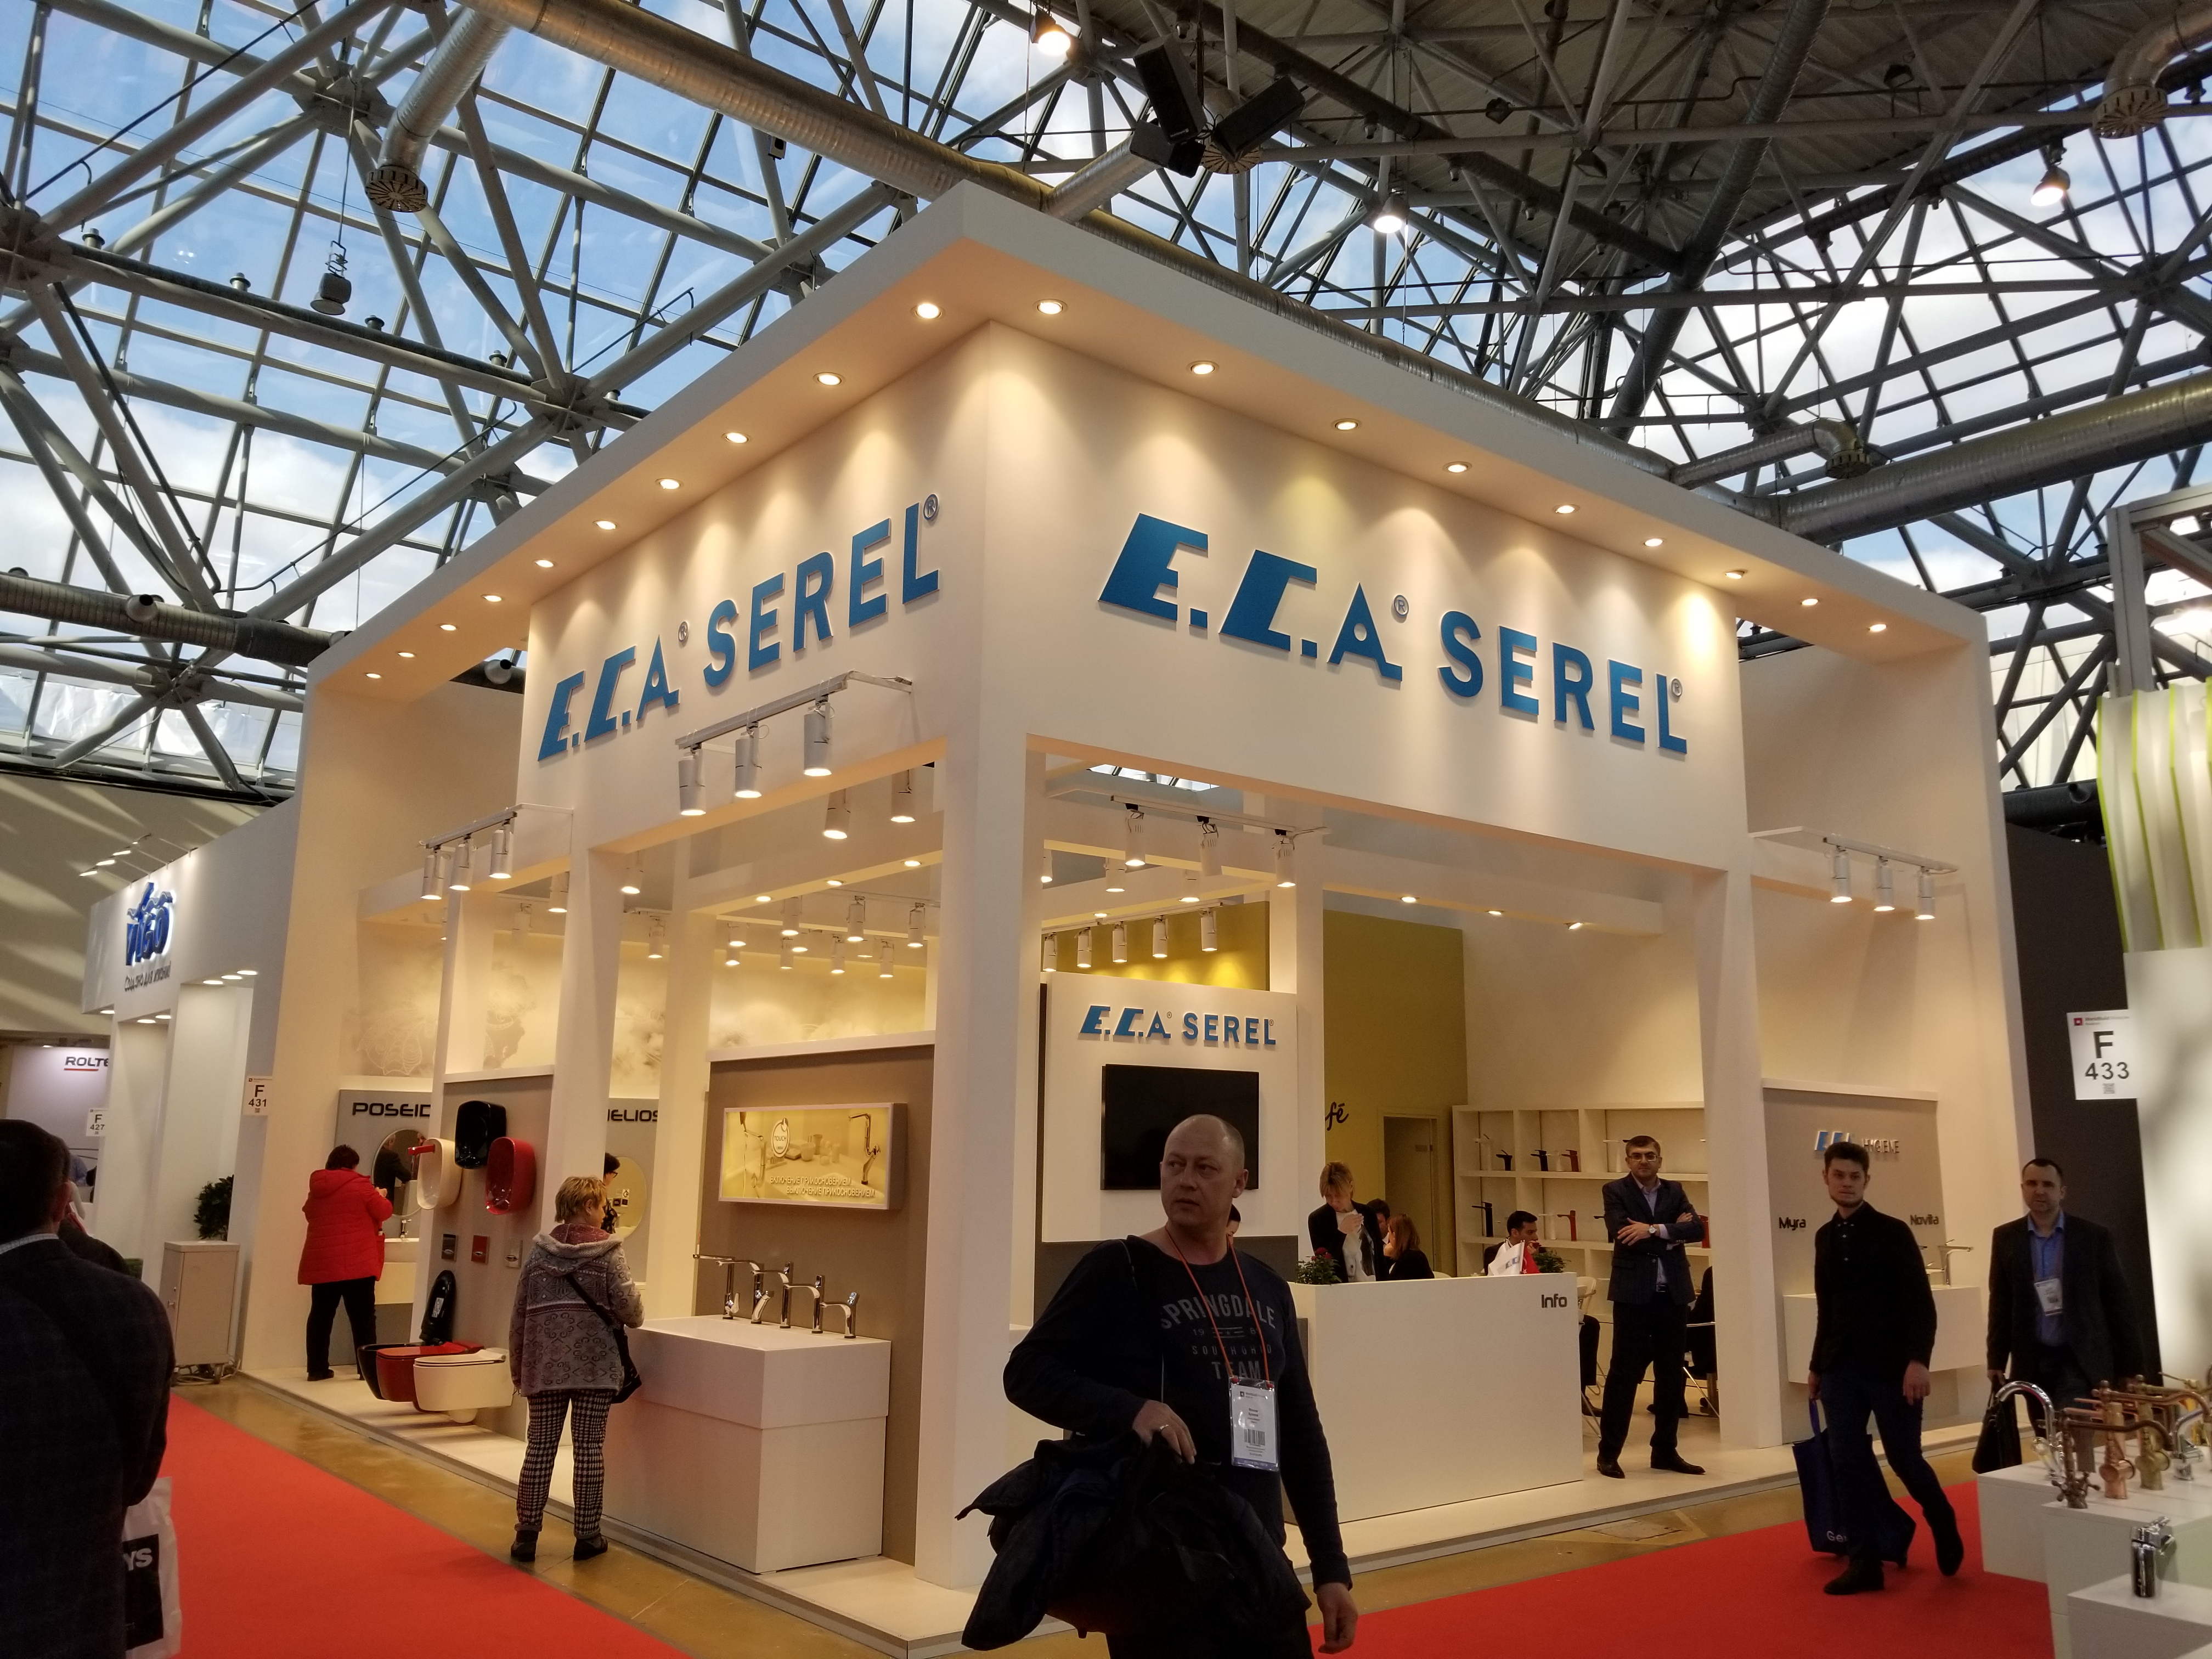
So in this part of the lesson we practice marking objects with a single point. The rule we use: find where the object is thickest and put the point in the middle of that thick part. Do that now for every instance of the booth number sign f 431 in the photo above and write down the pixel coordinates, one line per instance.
(1564, 683)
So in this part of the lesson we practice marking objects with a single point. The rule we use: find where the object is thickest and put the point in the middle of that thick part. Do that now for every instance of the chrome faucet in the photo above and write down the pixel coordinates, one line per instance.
(850, 1308)
(784, 1273)
(760, 1290)
(815, 1292)
(730, 1264)
(1947, 1250)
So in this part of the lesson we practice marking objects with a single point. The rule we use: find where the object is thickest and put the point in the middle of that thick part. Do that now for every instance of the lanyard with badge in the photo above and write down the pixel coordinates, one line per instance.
(1251, 1405)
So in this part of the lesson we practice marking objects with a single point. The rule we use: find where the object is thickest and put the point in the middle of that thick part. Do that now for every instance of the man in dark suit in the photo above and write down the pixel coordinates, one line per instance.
(2059, 1306)
(1649, 1220)
(1346, 1231)
(1870, 1351)
(85, 1358)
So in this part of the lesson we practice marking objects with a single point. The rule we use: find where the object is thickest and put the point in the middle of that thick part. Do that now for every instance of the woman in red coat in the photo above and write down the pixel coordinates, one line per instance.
(344, 1256)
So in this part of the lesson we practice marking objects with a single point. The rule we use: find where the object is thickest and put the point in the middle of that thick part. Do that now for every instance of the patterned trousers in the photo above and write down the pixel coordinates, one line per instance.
(588, 1436)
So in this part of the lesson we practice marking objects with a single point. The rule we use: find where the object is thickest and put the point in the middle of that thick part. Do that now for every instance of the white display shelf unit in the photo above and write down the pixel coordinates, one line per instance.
(1483, 1137)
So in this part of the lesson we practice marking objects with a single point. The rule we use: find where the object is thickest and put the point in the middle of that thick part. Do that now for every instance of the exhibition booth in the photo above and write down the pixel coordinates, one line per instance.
(1024, 695)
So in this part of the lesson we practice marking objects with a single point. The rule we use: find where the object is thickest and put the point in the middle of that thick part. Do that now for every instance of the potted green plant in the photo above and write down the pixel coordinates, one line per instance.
(212, 1214)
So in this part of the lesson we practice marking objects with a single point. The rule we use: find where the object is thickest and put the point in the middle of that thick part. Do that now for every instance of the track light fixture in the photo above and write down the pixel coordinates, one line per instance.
(916, 920)
(1082, 946)
(749, 763)
(501, 866)
(1885, 887)
(836, 816)
(1286, 848)
(656, 938)
(791, 908)
(1133, 836)
(1044, 865)
(1051, 953)
(632, 881)
(1209, 929)
(1120, 941)
(817, 747)
(2056, 181)
(1190, 887)
(783, 956)
(884, 959)
(799, 945)
(901, 798)
(1924, 910)
(430, 888)
(836, 955)
(1159, 939)
(690, 793)
(460, 880)
(557, 903)
(1209, 849)
(856, 920)
(1839, 878)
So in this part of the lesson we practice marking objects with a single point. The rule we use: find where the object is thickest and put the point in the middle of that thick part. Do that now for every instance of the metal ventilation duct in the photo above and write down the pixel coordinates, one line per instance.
(397, 183)
(2133, 101)
(149, 617)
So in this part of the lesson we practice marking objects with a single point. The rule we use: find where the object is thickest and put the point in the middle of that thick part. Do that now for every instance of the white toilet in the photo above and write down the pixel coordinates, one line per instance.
(462, 1384)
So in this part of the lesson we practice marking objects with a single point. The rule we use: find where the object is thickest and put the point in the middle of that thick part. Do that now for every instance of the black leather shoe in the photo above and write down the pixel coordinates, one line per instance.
(1856, 1579)
(1674, 1463)
(1610, 1469)
(1950, 1548)
(524, 1547)
(320, 1377)
(597, 1545)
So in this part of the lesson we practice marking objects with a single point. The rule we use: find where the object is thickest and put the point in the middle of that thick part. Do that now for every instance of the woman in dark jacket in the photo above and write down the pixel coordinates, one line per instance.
(562, 1353)
(344, 1256)
(1402, 1251)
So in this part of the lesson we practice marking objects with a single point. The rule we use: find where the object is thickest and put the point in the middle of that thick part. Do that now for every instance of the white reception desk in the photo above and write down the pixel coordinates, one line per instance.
(1439, 1390)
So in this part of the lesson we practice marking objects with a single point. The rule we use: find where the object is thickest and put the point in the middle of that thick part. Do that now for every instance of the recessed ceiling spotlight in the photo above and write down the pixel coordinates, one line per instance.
(763, 898)
(376, 676)
(1733, 575)
(826, 377)
(734, 437)
(604, 524)
(1498, 912)
(670, 483)
(545, 564)
(1877, 628)
(491, 598)
(407, 653)
(446, 628)
(1407, 898)
(1347, 426)
(1563, 508)
(929, 311)
(913, 864)
(1456, 466)
(1052, 307)
(1574, 926)
(1654, 541)
(1201, 367)
(1808, 603)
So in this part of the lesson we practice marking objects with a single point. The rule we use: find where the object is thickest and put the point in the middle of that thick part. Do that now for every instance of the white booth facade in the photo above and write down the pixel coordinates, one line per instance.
(1436, 661)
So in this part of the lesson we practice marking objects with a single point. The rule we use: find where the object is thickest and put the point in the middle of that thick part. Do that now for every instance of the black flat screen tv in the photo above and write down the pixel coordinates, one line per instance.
(1143, 1102)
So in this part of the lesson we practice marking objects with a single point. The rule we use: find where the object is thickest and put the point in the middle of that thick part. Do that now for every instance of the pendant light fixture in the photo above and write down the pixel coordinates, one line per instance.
(791, 906)
(1120, 941)
(1924, 910)
(459, 881)
(748, 742)
(1052, 953)
(1082, 947)
(1885, 887)
(916, 919)
(1209, 929)
(1209, 849)
(856, 920)
(1839, 878)
(817, 748)
(690, 793)
(1133, 836)
(1159, 939)
(836, 816)
(901, 798)
(1286, 848)
(502, 851)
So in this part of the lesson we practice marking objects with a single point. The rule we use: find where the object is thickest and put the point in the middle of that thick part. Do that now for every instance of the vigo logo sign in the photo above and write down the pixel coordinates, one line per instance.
(146, 926)
(1146, 567)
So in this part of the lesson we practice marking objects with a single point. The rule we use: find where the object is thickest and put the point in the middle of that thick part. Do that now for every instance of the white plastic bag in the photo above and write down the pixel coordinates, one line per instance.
(153, 1610)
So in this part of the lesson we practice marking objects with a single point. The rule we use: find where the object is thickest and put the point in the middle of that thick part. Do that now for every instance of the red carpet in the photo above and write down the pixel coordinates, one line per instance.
(278, 1559)
(1756, 1594)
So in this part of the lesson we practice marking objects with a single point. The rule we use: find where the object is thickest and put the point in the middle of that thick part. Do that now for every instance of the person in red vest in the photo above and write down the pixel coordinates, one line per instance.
(344, 1256)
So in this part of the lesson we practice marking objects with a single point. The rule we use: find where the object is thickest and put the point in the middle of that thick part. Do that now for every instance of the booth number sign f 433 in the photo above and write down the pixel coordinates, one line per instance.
(1532, 678)
(2105, 1067)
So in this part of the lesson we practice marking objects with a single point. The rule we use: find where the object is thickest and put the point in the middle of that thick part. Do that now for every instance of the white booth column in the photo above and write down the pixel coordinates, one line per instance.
(679, 1136)
(987, 984)
(584, 1041)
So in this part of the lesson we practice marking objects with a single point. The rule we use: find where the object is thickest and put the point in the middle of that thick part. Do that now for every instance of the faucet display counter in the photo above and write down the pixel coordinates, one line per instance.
(760, 1446)
(1440, 1390)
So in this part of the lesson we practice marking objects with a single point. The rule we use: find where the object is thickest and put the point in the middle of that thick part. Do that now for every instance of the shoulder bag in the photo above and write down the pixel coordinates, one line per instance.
(631, 1381)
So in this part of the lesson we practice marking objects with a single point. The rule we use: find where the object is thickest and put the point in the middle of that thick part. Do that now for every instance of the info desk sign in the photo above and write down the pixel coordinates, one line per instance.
(2105, 1067)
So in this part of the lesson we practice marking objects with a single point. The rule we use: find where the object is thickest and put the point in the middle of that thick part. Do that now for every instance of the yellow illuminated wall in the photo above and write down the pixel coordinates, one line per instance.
(1395, 1033)
(1240, 964)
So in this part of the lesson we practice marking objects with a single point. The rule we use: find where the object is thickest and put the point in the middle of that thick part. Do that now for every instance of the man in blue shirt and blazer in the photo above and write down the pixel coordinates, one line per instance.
(2059, 1306)
(1649, 1220)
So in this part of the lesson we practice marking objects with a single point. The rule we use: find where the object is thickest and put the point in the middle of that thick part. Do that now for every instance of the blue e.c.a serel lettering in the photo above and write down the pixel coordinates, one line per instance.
(811, 591)
(1103, 1019)
(1144, 573)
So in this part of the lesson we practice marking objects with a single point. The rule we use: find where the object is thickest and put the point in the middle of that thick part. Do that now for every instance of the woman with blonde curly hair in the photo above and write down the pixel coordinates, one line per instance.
(561, 1345)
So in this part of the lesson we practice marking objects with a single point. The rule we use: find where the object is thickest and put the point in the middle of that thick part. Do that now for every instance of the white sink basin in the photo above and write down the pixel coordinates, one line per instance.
(761, 1376)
